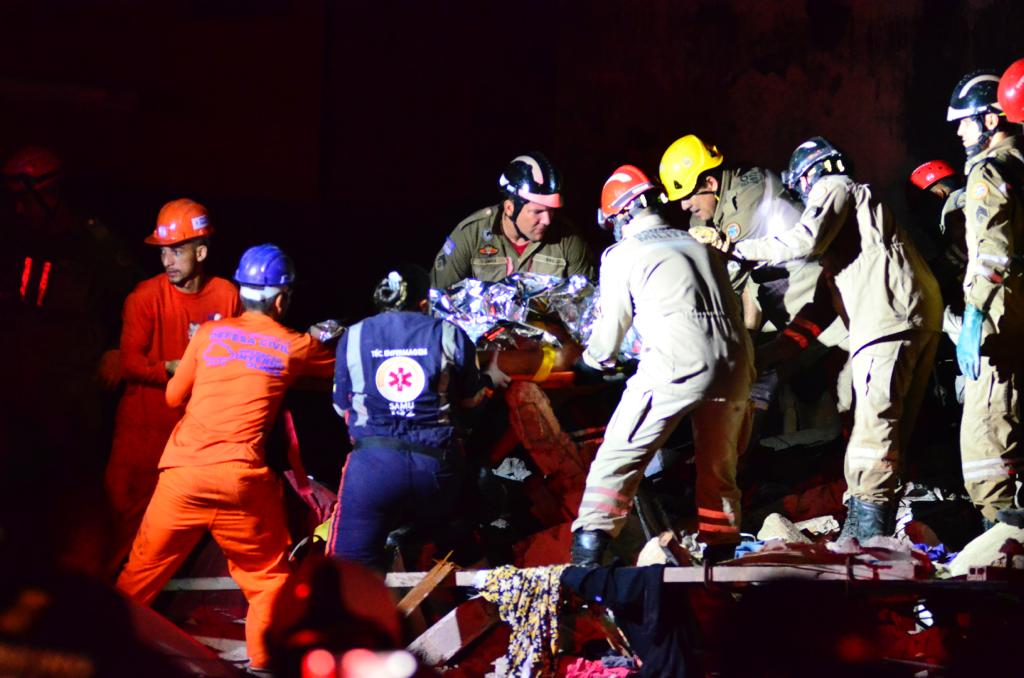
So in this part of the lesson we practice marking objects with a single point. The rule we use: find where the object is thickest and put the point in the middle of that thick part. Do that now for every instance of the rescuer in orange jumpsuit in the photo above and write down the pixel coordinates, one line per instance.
(213, 474)
(159, 318)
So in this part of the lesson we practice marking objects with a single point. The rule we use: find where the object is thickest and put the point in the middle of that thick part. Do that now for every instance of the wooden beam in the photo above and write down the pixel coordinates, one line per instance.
(883, 571)
(202, 584)
(454, 631)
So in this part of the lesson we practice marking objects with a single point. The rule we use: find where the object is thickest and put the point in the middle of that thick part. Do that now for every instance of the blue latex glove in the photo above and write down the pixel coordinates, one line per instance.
(968, 346)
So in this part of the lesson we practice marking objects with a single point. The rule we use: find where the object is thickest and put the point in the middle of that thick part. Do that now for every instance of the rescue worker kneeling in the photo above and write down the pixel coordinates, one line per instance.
(696, 360)
(397, 375)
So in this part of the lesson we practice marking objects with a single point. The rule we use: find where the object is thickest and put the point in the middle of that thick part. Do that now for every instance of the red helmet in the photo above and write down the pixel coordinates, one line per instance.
(31, 168)
(178, 221)
(930, 172)
(1011, 92)
(623, 187)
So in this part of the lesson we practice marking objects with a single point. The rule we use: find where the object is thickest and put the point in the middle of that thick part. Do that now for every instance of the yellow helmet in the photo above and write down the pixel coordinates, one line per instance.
(683, 162)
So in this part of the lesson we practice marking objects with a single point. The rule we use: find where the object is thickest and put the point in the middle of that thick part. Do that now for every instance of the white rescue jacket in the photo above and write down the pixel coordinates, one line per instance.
(677, 292)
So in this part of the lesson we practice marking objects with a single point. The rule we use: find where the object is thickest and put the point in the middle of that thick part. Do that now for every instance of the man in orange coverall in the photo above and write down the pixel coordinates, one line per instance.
(159, 318)
(213, 474)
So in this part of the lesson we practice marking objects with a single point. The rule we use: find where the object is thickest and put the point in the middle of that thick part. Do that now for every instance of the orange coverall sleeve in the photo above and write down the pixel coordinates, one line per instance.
(180, 386)
(137, 327)
(313, 359)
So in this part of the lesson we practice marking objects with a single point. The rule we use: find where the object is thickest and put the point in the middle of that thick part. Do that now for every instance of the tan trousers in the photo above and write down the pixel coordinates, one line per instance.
(642, 422)
(889, 381)
(990, 436)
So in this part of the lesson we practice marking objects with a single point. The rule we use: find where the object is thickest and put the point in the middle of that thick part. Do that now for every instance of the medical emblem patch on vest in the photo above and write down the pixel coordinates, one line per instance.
(400, 379)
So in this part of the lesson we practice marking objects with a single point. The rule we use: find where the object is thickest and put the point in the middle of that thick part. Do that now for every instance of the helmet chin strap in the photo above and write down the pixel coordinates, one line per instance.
(517, 206)
(984, 137)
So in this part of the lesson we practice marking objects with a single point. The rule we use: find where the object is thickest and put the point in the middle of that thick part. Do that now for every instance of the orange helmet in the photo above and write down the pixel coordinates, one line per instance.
(31, 168)
(178, 221)
(1011, 92)
(623, 187)
(930, 172)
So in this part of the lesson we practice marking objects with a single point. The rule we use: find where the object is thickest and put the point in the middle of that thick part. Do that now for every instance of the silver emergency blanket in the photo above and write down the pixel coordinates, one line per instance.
(496, 315)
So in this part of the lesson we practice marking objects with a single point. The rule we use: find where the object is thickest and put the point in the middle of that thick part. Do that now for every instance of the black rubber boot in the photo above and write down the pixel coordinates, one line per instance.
(1011, 516)
(849, 530)
(872, 520)
(588, 547)
(718, 553)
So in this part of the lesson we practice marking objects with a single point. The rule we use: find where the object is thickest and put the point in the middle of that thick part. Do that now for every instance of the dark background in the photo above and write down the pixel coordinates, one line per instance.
(356, 134)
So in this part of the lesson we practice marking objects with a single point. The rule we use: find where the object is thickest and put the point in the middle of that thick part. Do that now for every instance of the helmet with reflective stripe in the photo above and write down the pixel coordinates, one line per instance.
(1011, 92)
(814, 159)
(683, 162)
(532, 178)
(621, 190)
(178, 221)
(930, 172)
(975, 94)
(31, 168)
(265, 266)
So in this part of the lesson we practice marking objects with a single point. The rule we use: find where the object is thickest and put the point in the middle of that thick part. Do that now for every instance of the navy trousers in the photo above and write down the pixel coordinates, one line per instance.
(379, 488)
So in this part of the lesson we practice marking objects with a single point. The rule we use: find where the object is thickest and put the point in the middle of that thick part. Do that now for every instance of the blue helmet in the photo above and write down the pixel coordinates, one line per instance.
(265, 266)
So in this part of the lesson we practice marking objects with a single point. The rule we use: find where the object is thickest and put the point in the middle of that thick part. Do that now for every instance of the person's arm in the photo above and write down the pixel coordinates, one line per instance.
(577, 258)
(454, 260)
(469, 385)
(341, 393)
(137, 328)
(297, 477)
(809, 322)
(821, 221)
(179, 388)
(615, 312)
(989, 212)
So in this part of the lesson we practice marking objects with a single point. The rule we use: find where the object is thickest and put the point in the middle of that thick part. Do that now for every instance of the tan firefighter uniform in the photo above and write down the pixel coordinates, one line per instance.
(696, 360)
(890, 302)
(991, 428)
(478, 249)
(753, 203)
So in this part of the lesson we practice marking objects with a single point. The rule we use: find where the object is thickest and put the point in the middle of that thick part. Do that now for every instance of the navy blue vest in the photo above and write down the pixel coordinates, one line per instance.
(395, 372)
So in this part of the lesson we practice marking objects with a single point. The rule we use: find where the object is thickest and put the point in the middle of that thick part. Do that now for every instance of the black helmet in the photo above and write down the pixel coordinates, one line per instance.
(402, 289)
(531, 178)
(814, 158)
(975, 94)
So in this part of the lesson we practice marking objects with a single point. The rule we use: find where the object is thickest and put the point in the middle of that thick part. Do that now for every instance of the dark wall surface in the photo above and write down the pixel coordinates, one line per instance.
(356, 134)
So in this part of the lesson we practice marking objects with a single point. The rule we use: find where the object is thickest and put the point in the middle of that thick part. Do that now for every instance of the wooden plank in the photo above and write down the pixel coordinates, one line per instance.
(887, 571)
(454, 631)
(891, 571)
(202, 584)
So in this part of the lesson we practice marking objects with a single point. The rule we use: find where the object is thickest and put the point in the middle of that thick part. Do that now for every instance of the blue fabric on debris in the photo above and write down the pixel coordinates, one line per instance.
(747, 547)
(937, 553)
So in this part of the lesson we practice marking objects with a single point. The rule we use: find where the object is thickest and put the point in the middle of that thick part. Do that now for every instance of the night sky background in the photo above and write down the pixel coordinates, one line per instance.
(357, 134)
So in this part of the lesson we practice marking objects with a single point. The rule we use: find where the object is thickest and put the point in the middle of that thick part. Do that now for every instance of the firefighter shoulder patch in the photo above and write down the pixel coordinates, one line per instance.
(449, 247)
(979, 190)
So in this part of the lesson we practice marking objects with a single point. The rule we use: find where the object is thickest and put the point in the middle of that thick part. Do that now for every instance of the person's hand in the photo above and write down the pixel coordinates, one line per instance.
(109, 370)
(498, 378)
(771, 354)
(171, 366)
(321, 508)
(968, 345)
(326, 331)
(585, 375)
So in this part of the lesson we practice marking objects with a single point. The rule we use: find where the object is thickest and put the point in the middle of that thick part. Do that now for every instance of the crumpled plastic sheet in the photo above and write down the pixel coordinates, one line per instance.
(496, 315)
